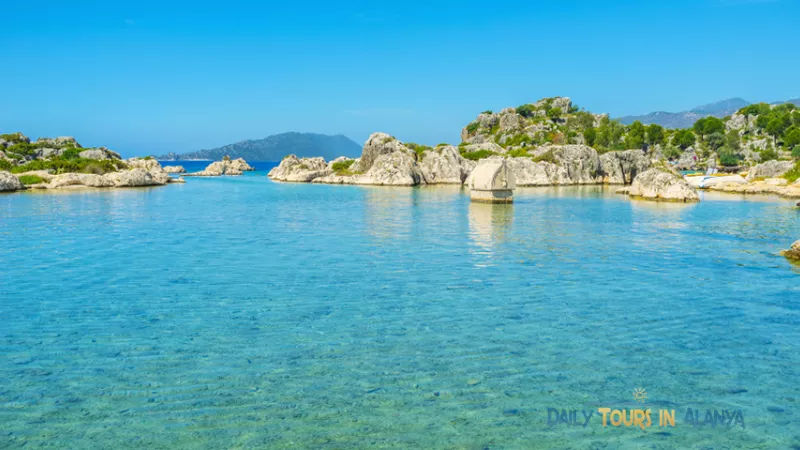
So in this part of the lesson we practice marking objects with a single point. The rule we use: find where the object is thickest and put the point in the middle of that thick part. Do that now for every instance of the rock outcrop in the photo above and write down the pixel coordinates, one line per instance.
(794, 252)
(136, 178)
(9, 183)
(297, 169)
(580, 162)
(622, 167)
(445, 165)
(224, 167)
(393, 169)
(377, 145)
(687, 160)
(769, 169)
(661, 184)
(174, 169)
(99, 153)
(80, 180)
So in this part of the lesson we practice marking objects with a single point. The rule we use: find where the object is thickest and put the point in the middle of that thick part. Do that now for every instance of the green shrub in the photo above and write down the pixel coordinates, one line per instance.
(554, 113)
(5, 165)
(728, 158)
(672, 152)
(148, 158)
(71, 153)
(80, 165)
(769, 154)
(28, 180)
(796, 152)
(794, 173)
(547, 156)
(488, 111)
(473, 127)
(342, 167)
(519, 153)
(419, 149)
(480, 154)
(517, 140)
(526, 111)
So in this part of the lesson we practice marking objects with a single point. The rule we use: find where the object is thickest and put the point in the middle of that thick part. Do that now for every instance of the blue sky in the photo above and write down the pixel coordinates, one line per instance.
(150, 77)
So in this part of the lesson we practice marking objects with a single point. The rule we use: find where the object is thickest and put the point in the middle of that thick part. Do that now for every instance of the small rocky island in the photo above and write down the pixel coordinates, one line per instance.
(62, 163)
(552, 142)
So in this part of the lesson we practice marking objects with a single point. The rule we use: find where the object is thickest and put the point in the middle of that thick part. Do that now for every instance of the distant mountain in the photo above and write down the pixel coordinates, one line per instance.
(686, 119)
(274, 148)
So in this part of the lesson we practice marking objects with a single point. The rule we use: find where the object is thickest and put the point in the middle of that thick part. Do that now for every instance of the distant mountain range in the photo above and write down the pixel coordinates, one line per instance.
(686, 119)
(274, 148)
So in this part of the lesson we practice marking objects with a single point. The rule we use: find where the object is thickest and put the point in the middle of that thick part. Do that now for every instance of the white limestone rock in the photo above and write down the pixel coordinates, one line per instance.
(445, 165)
(301, 170)
(9, 183)
(661, 184)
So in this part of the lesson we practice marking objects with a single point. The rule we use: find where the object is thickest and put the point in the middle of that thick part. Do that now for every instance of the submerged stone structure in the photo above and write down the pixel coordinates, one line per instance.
(492, 181)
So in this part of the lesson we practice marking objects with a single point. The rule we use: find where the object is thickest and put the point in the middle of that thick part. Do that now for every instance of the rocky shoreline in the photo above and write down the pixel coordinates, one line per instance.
(61, 163)
(553, 143)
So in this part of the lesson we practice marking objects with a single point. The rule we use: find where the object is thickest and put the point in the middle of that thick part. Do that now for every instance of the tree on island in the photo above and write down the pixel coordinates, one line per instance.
(683, 139)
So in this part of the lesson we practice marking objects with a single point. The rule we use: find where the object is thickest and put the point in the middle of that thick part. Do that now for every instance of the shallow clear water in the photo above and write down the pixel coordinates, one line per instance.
(241, 313)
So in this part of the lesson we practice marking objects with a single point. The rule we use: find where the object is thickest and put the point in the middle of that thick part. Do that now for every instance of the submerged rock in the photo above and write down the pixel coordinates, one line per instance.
(660, 184)
(9, 182)
(492, 181)
(794, 252)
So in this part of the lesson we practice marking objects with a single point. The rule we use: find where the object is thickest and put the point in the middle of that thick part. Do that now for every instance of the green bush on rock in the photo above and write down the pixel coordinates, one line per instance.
(28, 180)
(343, 167)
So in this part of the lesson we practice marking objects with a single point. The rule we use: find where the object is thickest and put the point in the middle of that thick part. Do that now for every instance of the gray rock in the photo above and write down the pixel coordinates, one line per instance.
(444, 165)
(622, 167)
(661, 184)
(580, 161)
(136, 178)
(95, 153)
(510, 122)
(9, 182)
(79, 179)
(529, 173)
(769, 169)
(224, 167)
(61, 141)
(174, 169)
(394, 169)
(297, 169)
(150, 165)
(688, 160)
(379, 144)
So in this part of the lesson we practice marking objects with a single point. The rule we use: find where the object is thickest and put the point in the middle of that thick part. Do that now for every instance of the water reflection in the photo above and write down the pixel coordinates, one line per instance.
(489, 224)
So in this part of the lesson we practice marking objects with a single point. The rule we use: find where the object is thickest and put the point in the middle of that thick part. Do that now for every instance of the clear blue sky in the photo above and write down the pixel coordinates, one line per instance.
(148, 77)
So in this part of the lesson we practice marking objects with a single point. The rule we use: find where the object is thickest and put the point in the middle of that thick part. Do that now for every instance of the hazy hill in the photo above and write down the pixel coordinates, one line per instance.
(686, 119)
(274, 148)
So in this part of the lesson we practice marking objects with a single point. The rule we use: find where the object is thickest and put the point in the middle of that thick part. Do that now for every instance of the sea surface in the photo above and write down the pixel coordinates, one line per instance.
(236, 312)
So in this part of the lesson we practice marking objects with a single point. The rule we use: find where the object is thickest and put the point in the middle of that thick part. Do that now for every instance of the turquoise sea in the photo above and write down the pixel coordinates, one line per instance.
(236, 312)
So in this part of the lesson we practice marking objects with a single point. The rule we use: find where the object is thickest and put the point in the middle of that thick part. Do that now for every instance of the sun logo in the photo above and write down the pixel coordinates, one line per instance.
(640, 395)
